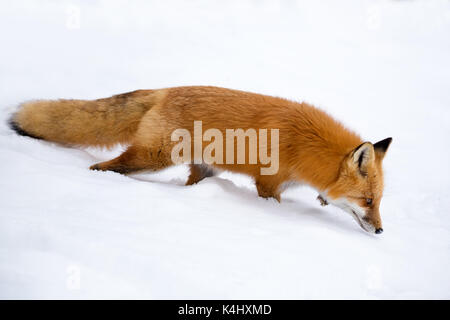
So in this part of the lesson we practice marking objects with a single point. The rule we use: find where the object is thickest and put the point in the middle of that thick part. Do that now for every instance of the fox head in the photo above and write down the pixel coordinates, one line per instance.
(359, 187)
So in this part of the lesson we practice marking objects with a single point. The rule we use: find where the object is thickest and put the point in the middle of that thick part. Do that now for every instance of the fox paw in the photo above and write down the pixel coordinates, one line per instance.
(94, 167)
(98, 167)
(322, 201)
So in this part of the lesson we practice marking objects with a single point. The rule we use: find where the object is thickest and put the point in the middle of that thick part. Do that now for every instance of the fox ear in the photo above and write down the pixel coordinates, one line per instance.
(362, 156)
(382, 146)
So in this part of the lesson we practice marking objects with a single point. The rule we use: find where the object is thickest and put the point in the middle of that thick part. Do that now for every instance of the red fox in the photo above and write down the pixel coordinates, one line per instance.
(313, 148)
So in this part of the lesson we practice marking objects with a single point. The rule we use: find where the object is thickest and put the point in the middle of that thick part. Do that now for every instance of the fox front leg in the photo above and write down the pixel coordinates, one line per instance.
(322, 201)
(268, 190)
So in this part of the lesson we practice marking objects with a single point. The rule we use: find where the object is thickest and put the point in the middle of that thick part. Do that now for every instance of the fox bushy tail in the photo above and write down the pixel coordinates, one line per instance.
(101, 122)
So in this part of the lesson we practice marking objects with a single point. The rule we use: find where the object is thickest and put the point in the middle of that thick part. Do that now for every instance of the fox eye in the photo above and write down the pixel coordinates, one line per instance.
(369, 201)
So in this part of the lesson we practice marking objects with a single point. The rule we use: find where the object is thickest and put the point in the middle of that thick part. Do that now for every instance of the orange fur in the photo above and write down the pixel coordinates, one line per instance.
(313, 147)
(101, 122)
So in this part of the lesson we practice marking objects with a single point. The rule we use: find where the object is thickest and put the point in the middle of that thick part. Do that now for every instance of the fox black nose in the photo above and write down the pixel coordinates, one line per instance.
(379, 230)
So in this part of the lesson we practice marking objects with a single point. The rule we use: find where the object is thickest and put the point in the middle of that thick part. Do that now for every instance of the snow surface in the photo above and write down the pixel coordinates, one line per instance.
(382, 67)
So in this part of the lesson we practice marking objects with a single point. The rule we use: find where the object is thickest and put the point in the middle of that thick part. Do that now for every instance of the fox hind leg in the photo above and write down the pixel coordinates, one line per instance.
(198, 173)
(136, 158)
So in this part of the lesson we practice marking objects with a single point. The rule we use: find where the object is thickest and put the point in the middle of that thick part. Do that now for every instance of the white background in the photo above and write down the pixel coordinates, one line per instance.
(381, 67)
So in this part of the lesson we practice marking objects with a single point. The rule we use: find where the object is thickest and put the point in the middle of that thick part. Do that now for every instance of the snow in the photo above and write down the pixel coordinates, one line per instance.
(381, 67)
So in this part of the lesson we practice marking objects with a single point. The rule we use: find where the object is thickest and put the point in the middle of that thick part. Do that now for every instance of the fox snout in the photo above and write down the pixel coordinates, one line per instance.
(371, 223)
